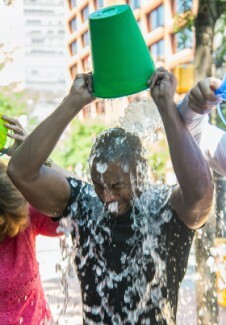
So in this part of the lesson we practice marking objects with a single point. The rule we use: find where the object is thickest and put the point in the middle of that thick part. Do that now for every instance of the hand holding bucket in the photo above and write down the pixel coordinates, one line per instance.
(12, 131)
(121, 60)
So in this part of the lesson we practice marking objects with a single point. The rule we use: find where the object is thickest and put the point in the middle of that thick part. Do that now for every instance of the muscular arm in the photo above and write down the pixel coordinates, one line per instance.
(192, 200)
(45, 188)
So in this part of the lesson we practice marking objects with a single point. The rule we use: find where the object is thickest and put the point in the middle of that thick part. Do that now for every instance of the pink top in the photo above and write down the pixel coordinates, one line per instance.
(22, 298)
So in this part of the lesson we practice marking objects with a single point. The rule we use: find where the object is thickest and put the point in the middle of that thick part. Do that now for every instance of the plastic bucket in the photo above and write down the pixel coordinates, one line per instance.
(121, 60)
(3, 133)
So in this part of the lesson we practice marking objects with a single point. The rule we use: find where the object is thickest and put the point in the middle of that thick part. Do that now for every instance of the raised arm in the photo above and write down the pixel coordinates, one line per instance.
(192, 200)
(194, 111)
(45, 188)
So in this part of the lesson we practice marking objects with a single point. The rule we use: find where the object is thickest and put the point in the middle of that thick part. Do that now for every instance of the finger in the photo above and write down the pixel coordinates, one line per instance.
(199, 107)
(196, 96)
(90, 82)
(12, 120)
(207, 92)
(15, 128)
(215, 83)
(153, 78)
(199, 97)
(80, 75)
(156, 78)
(80, 81)
(17, 137)
(162, 69)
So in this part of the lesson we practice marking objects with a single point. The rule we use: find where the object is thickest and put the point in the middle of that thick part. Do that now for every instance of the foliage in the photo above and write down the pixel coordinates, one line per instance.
(13, 104)
(158, 159)
(215, 118)
(183, 20)
(183, 24)
(76, 147)
(220, 53)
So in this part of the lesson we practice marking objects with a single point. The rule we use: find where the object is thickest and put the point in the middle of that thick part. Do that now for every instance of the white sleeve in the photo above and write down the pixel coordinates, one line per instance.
(213, 145)
(194, 122)
(211, 139)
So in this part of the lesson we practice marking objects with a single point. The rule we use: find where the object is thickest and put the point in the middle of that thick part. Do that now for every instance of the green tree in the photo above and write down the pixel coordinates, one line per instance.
(75, 149)
(12, 104)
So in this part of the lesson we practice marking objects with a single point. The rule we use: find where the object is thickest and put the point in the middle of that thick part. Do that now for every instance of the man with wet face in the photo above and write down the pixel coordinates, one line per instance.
(114, 162)
(132, 238)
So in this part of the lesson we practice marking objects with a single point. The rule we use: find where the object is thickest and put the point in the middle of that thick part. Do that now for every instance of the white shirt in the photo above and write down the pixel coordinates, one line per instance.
(210, 138)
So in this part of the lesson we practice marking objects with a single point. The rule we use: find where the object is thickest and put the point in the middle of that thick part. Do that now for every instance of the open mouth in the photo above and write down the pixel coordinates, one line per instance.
(113, 207)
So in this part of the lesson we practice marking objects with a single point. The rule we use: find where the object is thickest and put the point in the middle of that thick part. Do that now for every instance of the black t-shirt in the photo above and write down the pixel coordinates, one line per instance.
(129, 267)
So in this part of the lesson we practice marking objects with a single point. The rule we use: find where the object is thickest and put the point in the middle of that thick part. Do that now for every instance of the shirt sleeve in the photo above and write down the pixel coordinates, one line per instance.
(75, 186)
(210, 138)
(194, 122)
(42, 224)
(179, 238)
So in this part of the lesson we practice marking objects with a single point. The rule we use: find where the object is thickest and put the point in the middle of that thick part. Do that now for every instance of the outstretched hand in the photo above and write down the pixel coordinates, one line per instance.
(162, 85)
(81, 89)
(202, 98)
(19, 134)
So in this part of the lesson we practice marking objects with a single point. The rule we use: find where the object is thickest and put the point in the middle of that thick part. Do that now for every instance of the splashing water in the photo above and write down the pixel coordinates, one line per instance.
(146, 228)
(113, 207)
(101, 168)
(142, 117)
(122, 266)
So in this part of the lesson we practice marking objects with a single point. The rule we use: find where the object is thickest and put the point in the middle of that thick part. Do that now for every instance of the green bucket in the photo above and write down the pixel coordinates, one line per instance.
(3, 133)
(121, 60)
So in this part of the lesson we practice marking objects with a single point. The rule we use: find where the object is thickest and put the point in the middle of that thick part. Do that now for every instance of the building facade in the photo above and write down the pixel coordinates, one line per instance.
(44, 45)
(157, 21)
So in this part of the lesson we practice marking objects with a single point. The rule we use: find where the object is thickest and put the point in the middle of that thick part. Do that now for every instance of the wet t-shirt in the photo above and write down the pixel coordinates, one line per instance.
(129, 267)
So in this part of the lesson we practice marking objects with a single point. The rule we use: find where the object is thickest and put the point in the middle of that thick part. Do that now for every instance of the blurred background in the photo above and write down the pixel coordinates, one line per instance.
(44, 44)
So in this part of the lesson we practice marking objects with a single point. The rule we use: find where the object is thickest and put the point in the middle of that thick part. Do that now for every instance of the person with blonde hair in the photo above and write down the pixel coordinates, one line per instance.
(22, 299)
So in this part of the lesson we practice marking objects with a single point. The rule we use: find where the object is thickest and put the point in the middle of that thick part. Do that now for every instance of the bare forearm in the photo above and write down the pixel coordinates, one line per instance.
(189, 165)
(40, 143)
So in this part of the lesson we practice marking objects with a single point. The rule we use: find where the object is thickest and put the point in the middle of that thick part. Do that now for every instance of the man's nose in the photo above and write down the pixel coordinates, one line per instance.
(108, 195)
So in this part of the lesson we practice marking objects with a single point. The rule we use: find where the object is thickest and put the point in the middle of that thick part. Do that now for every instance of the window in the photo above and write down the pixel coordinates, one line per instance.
(99, 4)
(34, 22)
(74, 48)
(85, 39)
(73, 3)
(157, 50)
(100, 108)
(74, 71)
(34, 72)
(156, 18)
(183, 5)
(139, 23)
(134, 4)
(85, 13)
(38, 40)
(73, 25)
(183, 39)
(86, 63)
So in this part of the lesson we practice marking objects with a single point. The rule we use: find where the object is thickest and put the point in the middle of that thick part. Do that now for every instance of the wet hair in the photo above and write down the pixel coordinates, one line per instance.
(117, 145)
(14, 215)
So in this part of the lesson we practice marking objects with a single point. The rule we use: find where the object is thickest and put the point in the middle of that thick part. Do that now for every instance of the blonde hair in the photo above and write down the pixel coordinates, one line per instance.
(14, 216)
